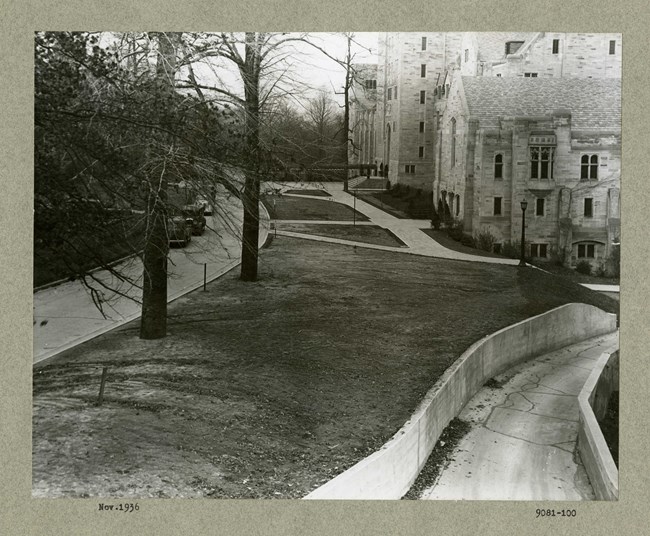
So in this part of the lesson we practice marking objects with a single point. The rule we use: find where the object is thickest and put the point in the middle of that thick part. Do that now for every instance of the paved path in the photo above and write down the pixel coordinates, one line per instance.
(409, 231)
(65, 315)
(523, 437)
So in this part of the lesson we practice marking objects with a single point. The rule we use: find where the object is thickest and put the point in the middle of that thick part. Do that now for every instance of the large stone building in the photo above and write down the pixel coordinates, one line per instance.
(409, 66)
(363, 112)
(555, 142)
(469, 116)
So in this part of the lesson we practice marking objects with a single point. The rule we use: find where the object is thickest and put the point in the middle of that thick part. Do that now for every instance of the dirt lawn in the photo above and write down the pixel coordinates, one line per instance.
(368, 234)
(269, 389)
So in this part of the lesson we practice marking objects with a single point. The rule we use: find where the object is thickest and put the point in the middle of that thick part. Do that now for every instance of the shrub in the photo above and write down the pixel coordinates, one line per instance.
(601, 271)
(468, 240)
(511, 249)
(583, 267)
(396, 189)
(485, 240)
(614, 262)
(455, 229)
(435, 219)
(387, 185)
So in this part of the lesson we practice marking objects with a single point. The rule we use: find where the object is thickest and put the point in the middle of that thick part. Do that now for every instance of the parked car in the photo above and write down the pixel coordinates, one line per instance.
(195, 213)
(207, 208)
(179, 230)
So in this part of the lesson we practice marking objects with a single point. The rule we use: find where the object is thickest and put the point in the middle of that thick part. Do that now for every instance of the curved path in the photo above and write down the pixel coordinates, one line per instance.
(409, 231)
(522, 445)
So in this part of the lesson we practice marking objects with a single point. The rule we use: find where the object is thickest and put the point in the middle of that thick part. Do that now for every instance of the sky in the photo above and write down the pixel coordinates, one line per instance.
(309, 70)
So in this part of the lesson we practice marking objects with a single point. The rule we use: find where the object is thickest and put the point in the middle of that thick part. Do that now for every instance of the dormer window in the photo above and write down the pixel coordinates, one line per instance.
(513, 46)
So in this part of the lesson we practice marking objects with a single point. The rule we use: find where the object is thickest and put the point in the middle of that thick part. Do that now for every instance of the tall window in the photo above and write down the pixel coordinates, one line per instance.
(424, 43)
(497, 206)
(466, 55)
(457, 203)
(421, 152)
(612, 47)
(395, 92)
(539, 208)
(498, 166)
(541, 162)
(421, 126)
(589, 207)
(588, 167)
(556, 46)
(389, 93)
(453, 142)
(423, 70)
(423, 97)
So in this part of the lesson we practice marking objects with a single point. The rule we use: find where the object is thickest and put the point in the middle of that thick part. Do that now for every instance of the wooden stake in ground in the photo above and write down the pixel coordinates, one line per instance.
(100, 398)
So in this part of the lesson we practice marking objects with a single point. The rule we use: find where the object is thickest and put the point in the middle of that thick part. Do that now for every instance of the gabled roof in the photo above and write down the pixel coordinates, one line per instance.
(593, 102)
(492, 45)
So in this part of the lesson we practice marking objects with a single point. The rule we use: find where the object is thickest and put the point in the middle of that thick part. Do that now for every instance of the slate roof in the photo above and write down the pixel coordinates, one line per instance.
(593, 102)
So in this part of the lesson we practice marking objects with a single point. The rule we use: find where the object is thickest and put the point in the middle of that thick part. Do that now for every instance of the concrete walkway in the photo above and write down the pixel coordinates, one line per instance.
(523, 437)
(409, 231)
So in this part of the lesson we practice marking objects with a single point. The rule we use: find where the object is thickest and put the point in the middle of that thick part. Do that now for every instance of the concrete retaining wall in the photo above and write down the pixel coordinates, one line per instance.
(390, 472)
(594, 452)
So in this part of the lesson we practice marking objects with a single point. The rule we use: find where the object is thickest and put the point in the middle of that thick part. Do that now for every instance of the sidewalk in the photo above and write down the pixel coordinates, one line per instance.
(409, 231)
(65, 315)
(523, 438)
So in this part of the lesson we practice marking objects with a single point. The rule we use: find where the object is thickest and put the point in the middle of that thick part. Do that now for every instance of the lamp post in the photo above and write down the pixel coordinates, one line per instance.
(524, 205)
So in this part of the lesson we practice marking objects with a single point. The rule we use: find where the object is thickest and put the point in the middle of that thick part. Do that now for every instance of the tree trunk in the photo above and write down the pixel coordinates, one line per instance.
(153, 324)
(250, 233)
(346, 112)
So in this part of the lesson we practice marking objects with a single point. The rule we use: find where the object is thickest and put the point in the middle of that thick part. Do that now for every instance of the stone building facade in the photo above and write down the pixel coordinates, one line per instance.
(363, 111)
(410, 63)
(555, 142)
(453, 110)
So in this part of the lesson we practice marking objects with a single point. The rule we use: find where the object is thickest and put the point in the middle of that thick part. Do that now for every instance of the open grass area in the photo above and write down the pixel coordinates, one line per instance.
(282, 207)
(368, 234)
(269, 389)
(373, 183)
(394, 206)
(310, 191)
(445, 240)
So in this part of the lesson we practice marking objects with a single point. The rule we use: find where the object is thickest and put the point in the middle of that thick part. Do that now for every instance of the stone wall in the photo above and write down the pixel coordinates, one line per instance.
(390, 472)
(593, 449)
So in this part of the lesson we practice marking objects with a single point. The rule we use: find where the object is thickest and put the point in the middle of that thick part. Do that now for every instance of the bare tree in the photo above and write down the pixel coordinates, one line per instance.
(262, 61)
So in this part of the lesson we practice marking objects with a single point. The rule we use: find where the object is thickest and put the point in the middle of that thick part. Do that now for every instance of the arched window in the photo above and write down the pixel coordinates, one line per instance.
(589, 167)
(498, 166)
(453, 142)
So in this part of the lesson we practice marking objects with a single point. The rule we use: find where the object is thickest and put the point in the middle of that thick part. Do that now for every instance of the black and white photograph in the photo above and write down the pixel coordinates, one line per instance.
(327, 266)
